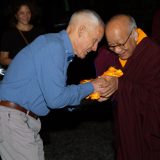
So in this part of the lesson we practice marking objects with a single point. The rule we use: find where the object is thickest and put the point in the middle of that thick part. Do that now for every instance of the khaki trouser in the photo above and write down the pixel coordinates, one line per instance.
(19, 136)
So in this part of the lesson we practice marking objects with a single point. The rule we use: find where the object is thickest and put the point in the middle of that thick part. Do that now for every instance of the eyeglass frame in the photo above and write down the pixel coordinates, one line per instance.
(122, 46)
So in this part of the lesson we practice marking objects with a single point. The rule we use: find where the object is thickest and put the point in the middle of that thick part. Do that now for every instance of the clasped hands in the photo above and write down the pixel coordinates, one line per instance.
(104, 87)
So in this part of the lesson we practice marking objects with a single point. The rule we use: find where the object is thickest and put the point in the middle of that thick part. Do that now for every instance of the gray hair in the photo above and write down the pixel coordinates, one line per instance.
(86, 15)
(132, 22)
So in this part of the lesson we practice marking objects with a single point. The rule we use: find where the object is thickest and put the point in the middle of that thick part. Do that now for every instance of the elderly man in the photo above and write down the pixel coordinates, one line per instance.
(137, 114)
(35, 82)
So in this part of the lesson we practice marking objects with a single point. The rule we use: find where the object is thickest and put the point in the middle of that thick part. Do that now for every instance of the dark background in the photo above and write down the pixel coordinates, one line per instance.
(53, 15)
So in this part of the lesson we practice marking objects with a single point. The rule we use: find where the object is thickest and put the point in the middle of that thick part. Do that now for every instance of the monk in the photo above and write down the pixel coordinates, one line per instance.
(137, 111)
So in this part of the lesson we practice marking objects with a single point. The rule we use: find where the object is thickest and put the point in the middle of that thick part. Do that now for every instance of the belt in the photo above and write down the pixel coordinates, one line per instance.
(18, 107)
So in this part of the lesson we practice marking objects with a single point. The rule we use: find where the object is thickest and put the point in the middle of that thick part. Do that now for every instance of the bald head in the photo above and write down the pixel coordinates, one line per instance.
(85, 17)
(121, 34)
(122, 19)
(120, 23)
(85, 31)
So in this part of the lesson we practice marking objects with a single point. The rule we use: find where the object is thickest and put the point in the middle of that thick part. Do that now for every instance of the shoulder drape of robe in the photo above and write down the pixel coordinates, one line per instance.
(138, 109)
(104, 60)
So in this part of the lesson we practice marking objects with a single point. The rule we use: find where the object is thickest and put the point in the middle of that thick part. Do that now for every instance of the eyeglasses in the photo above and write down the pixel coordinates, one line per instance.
(122, 45)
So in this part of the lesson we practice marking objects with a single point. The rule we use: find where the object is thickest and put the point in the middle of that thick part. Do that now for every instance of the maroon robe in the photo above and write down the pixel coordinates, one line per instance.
(137, 117)
(156, 26)
(104, 60)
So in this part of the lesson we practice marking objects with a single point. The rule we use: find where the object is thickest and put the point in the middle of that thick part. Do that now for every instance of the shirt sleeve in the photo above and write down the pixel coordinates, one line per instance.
(52, 69)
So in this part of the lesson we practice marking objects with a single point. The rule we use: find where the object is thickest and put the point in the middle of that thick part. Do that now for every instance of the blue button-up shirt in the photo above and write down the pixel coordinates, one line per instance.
(36, 78)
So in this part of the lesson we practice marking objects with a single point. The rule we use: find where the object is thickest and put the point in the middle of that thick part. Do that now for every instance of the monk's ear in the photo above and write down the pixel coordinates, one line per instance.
(81, 30)
(135, 34)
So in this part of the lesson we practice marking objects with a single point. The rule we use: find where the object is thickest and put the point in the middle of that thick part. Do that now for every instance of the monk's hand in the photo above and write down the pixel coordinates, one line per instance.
(101, 99)
(110, 88)
(99, 85)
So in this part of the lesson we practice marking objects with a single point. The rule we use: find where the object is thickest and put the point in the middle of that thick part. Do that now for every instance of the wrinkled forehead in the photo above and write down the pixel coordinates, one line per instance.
(118, 23)
(116, 29)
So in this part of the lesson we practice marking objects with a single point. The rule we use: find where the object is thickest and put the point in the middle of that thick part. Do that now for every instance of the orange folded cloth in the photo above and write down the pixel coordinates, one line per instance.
(110, 72)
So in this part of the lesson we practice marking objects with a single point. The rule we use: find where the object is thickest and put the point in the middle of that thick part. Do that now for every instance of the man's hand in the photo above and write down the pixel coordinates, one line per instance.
(99, 84)
(105, 86)
(111, 87)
